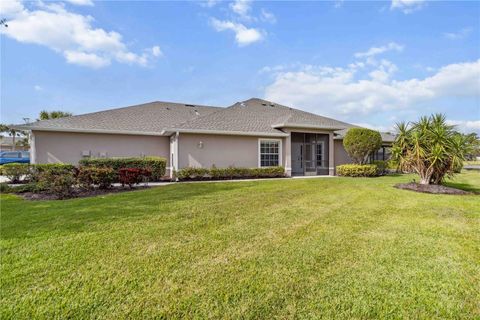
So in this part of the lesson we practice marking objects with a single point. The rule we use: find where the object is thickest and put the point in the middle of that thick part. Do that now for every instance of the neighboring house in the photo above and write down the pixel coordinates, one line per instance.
(6, 144)
(252, 133)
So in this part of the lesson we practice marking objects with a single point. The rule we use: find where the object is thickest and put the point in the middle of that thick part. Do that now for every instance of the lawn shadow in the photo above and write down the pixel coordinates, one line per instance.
(463, 186)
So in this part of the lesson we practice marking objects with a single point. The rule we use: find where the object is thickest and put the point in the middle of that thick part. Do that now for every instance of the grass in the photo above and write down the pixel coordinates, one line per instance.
(313, 248)
(472, 162)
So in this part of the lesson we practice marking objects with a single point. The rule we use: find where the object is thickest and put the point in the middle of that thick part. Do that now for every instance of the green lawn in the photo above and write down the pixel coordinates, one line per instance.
(311, 248)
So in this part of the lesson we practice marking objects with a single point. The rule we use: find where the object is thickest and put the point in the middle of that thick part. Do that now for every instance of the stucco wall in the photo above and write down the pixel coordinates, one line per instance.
(219, 150)
(341, 156)
(52, 147)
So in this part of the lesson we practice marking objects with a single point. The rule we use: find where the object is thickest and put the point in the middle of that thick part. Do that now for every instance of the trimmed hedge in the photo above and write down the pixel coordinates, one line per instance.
(228, 173)
(89, 177)
(14, 171)
(156, 165)
(357, 170)
(36, 170)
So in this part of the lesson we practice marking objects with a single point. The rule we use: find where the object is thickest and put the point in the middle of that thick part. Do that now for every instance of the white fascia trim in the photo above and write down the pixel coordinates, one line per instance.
(230, 133)
(306, 126)
(126, 132)
(280, 150)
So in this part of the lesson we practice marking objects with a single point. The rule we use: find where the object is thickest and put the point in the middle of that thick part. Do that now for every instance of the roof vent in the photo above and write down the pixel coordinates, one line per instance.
(196, 112)
(168, 108)
(242, 104)
(272, 105)
(189, 105)
(264, 104)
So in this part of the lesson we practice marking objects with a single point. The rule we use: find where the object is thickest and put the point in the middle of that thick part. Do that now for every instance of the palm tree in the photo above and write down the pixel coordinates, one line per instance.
(431, 148)
(46, 115)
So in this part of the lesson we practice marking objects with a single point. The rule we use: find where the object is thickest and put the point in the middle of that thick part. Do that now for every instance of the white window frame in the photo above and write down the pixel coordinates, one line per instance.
(280, 151)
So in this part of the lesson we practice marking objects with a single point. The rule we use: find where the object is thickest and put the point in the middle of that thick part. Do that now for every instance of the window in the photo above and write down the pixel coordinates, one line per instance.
(270, 153)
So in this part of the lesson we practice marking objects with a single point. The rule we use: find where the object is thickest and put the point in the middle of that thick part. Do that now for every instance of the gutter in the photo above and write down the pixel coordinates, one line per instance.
(126, 132)
(226, 132)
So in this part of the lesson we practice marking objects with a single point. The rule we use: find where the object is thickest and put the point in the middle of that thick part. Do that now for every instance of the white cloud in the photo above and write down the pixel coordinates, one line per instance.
(466, 126)
(337, 91)
(338, 3)
(81, 2)
(209, 3)
(37, 87)
(156, 51)
(465, 32)
(407, 6)
(68, 33)
(268, 16)
(241, 7)
(243, 35)
(373, 51)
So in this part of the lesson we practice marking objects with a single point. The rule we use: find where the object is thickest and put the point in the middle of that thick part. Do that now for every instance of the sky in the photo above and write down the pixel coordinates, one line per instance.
(368, 63)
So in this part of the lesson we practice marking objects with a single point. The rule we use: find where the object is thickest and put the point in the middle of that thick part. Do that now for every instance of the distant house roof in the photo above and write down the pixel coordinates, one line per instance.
(386, 136)
(250, 117)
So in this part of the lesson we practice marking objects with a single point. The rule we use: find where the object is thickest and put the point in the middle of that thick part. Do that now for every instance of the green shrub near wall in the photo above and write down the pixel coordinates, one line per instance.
(14, 171)
(228, 173)
(156, 165)
(357, 170)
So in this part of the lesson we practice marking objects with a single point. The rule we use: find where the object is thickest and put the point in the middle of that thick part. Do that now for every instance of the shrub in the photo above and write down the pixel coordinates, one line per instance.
(14, 171)
(360, 143)
(228, 173)
(381, 166)
(131, 176)
(89, 177)
(37, 169)
(28, 187)
(5, 188)
(57, 182)
(155, 165)
(357, 170)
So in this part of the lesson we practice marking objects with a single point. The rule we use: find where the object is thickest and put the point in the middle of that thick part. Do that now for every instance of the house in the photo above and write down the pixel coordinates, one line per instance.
(7, 144)
(252, 133)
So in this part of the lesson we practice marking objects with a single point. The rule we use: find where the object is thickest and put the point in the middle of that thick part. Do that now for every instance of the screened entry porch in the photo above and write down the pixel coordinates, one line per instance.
(310, 153)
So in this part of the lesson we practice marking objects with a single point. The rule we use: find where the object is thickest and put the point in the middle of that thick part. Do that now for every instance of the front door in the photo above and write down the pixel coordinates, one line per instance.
(297, 158)
(309, 153)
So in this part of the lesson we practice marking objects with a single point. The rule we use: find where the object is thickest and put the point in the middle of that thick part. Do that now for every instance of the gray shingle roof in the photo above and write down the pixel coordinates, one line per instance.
(259, 116)
(254, 116)
(148, 118)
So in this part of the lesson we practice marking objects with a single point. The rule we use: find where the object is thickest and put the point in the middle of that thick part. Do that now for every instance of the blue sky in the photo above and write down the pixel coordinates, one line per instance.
(368, 63)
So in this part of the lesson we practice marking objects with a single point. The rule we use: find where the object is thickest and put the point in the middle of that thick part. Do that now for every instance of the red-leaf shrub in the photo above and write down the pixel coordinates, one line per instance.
(131, 176)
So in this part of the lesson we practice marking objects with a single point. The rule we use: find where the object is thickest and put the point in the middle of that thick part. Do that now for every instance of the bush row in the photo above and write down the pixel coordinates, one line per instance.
(31, 172)
(357, 170)
(228, 173)
(155, 165)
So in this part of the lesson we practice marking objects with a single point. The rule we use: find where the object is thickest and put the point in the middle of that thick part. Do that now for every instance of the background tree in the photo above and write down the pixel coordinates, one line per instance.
(360, 143)
(46, 115)
(430, 148)
(11, 132)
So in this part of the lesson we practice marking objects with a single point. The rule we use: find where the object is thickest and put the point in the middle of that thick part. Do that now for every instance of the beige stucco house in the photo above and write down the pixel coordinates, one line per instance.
(252, 133)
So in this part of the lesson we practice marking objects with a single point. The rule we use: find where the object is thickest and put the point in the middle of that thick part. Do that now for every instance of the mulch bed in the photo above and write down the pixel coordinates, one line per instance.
(431, 188)
(79, 193)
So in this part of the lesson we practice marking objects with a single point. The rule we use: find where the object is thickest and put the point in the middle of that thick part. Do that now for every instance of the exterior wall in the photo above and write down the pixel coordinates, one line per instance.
(206, 150)
(67, 147)
(341, 156)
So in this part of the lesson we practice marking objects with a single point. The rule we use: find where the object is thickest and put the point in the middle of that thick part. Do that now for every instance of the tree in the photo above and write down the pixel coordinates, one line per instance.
(361, 143)
(46, 115)
(11, 132)
(430, 148)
